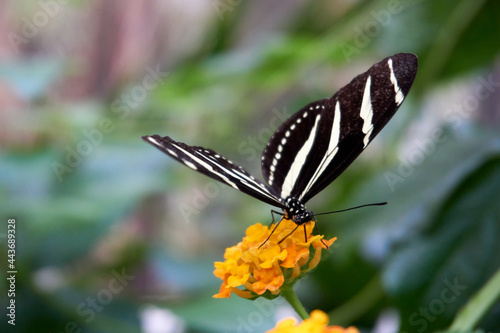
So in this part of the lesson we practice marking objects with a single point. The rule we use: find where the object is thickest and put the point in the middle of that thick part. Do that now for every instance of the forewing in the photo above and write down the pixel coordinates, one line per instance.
(326, 136)
(291, 150)
(208, 162)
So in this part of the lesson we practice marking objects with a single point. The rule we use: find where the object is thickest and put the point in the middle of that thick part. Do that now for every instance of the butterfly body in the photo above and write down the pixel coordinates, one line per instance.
(315, 145)
(296, 211)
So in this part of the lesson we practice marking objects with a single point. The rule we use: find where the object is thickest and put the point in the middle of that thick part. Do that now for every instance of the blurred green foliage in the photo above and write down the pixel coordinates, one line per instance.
(120, 208)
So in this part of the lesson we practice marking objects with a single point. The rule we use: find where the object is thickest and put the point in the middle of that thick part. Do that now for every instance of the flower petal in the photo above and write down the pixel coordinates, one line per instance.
(316, 323)
(258, 263)
(267, 279)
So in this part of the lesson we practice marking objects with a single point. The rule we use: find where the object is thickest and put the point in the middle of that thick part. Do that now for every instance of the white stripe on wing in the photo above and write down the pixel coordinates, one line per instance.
(366, 112)
(330, 153)
(298, 162)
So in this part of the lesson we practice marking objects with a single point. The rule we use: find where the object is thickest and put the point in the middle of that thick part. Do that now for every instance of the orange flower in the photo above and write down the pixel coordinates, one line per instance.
(317, 323)
(253, 268)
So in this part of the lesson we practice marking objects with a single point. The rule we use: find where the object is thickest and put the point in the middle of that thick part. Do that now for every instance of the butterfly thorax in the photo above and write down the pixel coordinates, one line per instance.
(297, 211)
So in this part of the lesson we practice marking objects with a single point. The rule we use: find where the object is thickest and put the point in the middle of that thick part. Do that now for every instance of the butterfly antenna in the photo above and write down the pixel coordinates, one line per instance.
(352, 208)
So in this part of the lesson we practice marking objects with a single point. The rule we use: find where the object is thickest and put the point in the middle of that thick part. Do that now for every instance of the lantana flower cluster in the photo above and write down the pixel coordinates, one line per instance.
(253, 268)
(317, 323)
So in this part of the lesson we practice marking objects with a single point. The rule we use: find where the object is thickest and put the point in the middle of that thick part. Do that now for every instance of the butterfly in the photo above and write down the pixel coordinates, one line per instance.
(315, 145)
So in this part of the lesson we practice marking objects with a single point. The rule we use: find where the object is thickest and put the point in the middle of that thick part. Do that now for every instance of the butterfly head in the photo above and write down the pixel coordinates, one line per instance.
(297, 211)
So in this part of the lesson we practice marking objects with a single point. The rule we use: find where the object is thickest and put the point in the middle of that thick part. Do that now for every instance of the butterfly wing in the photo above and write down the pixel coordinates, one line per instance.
(208, 162)
(315, 145)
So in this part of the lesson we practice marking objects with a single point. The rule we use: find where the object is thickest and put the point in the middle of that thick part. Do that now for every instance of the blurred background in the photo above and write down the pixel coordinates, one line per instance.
(113, 235)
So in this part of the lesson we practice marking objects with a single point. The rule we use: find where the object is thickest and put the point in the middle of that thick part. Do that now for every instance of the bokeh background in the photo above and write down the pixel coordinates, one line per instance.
(112, 235)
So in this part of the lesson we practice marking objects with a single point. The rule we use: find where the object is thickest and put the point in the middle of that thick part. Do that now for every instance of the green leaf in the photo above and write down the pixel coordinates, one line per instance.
(448, 249)
(479, 305)
(458, 331)
(208, 314)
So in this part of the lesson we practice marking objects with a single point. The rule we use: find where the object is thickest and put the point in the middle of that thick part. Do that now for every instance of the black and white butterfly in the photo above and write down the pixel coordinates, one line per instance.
(314, 146)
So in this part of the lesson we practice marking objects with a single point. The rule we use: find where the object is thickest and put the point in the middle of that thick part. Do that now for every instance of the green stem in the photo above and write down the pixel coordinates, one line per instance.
(477, 307)
(291, 297)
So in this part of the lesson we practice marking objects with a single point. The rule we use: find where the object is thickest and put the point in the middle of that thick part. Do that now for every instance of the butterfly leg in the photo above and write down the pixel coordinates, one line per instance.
(317, 231)
(277, 213)
(288, 234)
(272, 232)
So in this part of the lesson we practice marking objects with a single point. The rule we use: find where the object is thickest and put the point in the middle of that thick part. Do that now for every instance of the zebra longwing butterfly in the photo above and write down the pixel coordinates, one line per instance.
(315, 145)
